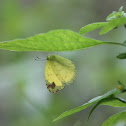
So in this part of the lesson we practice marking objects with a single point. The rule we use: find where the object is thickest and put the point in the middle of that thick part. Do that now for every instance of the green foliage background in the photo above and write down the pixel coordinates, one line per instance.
(24, 98)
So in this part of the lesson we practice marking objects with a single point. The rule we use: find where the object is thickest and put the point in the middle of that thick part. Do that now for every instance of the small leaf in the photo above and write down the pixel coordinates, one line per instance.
(114, 20)
(110, 101)
(113, 24)
(114, 102)
(115, 14)
(57, 40)
(116, 120)
(122, 56)
(121, 8)
(89, 103)
(111, 16)
(92, 27)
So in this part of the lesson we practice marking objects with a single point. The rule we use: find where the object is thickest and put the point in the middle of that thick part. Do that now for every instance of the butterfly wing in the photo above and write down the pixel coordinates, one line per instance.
(59, 72)
(52, 82)
(65, 71)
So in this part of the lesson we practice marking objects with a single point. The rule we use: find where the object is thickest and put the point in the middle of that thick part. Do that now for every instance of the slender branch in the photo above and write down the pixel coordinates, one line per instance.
(114, 43)
(122, 100)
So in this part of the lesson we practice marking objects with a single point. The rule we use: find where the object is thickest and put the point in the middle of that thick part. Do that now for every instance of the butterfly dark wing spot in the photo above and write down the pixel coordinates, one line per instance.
(51, 86)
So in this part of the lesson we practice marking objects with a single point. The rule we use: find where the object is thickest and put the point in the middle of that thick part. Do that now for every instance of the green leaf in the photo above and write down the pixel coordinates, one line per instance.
(113, 24)
(114, 102)
(111, 16)
(110, 101)
(57, 40)
(115, 14)
(122, 56)
(92, 27)
(89, 103)
(120, 9)
(117, 119)
(114, 20)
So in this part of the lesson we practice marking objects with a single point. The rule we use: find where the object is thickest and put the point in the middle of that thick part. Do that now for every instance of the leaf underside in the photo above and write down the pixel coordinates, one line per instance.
(56, 40)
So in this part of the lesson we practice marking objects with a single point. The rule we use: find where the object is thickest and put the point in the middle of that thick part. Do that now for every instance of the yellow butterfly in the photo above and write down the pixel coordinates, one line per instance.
(59, 72)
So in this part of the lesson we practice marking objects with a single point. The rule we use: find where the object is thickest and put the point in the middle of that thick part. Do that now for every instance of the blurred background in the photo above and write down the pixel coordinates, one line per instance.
(24, 97)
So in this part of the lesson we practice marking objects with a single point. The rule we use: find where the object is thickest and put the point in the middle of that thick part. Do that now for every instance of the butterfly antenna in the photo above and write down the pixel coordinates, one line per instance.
(40, 59)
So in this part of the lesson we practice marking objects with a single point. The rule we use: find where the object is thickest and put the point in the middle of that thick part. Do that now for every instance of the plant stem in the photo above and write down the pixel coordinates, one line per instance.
(114, 43)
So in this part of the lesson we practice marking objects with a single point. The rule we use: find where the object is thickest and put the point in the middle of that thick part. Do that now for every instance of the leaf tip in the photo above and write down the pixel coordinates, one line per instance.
(81, 31)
